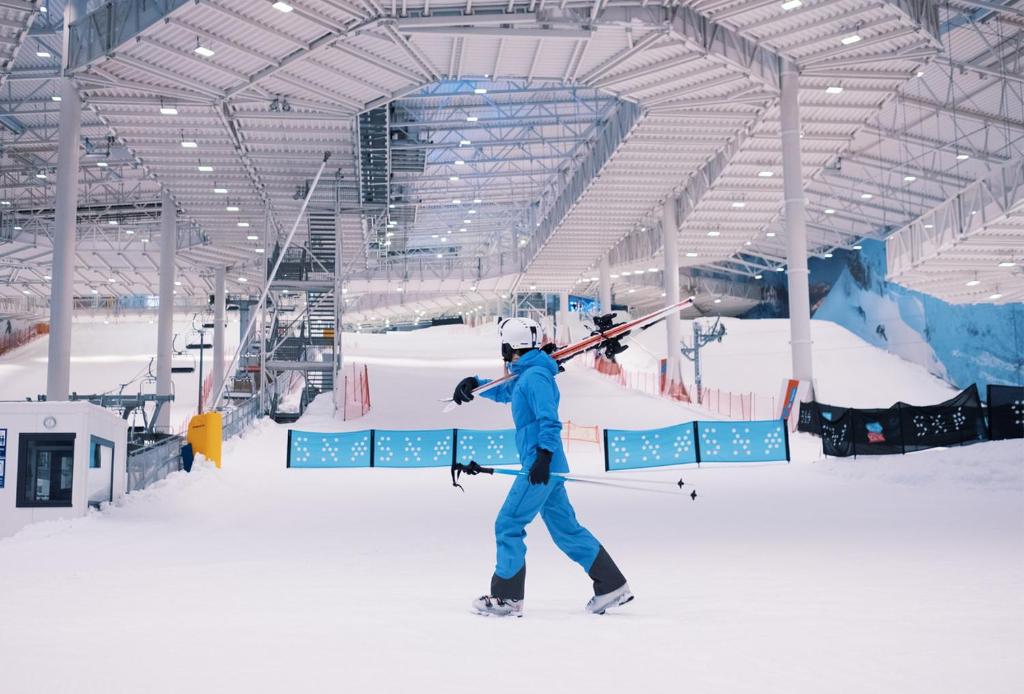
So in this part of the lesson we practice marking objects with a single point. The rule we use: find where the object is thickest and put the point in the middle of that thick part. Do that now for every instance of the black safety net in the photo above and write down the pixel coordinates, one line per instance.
(1005, 412)
(898, 429)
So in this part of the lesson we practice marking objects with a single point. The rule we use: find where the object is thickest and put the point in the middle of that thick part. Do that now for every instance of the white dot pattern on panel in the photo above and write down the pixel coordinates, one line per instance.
(619, 447)
(650, 448)
(741, 441)
(1018, 412)
(772, 441)
(442, 449)
(495, 448)
(709, 444)
(384, 449)
(300, 448)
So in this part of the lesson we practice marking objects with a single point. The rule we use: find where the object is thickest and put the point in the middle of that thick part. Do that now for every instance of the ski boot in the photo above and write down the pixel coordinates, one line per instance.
(599, 603)
(490, 606)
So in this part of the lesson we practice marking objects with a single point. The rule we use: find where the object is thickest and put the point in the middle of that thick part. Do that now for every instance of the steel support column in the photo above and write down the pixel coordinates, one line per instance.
(218, 328)
(796, 226)
(62, 286)
(165, 316)
(670, 243)
(605, 284)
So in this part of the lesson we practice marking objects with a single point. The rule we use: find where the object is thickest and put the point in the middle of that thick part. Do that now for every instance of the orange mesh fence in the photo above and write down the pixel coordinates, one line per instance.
(746, 406)
(357, 391)
(17, 338)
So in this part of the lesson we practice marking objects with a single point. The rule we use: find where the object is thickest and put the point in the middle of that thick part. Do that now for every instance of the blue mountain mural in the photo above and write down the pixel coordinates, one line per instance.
(961, 343)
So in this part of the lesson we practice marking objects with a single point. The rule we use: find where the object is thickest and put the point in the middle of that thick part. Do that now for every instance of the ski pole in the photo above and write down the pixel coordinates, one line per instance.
(474, 468)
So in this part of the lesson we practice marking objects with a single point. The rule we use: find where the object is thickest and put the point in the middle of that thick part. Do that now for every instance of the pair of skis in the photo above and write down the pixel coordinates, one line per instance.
(600, 339)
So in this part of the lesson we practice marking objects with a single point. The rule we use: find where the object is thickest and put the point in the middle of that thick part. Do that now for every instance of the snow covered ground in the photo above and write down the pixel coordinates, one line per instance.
(754, 357)
(898, 574)
(108, 352)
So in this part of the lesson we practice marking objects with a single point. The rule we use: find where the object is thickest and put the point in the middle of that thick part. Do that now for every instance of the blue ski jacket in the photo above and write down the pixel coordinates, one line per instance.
(534, 397)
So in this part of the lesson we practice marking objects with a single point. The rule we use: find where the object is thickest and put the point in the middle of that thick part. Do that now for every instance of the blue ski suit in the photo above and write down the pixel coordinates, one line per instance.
(534, 397)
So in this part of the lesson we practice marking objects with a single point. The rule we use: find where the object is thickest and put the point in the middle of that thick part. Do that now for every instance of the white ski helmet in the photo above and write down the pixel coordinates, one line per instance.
(518, 333)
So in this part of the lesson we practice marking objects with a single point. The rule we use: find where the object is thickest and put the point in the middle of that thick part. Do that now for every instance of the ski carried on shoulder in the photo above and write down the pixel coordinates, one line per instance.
(606, 337)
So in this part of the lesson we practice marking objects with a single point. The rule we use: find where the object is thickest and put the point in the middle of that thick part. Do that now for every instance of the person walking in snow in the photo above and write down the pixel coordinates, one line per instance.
(534, 398)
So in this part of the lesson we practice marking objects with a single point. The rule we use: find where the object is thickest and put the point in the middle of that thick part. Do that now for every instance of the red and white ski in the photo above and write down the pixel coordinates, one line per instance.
(591, 342)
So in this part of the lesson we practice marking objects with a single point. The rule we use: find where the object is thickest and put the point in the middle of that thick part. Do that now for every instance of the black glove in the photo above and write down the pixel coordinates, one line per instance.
(540, 473)
(464, 391)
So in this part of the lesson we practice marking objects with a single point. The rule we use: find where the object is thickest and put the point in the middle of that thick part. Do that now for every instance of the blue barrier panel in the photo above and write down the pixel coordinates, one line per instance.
(625, 449)
(333, 449)
(743, 442)
(486, 446)
(422, 448)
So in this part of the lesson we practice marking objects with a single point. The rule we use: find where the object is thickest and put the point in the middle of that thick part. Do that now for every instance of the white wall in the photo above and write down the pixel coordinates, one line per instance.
(80, 418)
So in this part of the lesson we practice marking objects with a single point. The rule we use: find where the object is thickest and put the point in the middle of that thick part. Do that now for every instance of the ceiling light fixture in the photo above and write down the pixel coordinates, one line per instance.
(833, 89)
(866, 196)
(909, 179)
(850, 39)
(973, 283)
(55, 97)
(1007, 263)
(963, 157)
(204, 51)
(465, 143)
(791, 5)
(282, 7)
(168, 110)
(765, 174)
(205, 168)
(829, 210)
(472, 119)
(43, 53)
(739, 204)
(479, 90)
(243, 225)
(220, 191)
(456, 201)
(242, 280)
(231, 208)
(770, 234)
(691, 255)
(995, 296)
(252, 237)
(102, 164)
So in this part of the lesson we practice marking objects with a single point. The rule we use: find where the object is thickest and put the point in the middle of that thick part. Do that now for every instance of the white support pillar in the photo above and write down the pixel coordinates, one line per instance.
(165, 316)
(218, 328)
(340, 395)
(563, 318)
(62, 286)
(605, 284)
(796, 226)
(670, 280)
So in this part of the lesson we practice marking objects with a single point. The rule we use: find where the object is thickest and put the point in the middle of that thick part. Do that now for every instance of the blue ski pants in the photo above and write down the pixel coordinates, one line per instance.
(523, 503)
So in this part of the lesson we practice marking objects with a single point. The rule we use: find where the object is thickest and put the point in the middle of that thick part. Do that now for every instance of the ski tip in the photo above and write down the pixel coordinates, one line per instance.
(449, 407)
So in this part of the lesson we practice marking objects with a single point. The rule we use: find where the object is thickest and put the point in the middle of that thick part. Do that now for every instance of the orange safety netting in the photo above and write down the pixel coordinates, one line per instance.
(357, 391)
(748, 406)
(17, 338)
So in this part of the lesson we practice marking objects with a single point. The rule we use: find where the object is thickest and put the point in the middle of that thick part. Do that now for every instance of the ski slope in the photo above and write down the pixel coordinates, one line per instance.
(109, 352)
(900, 574)
(754, 357)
